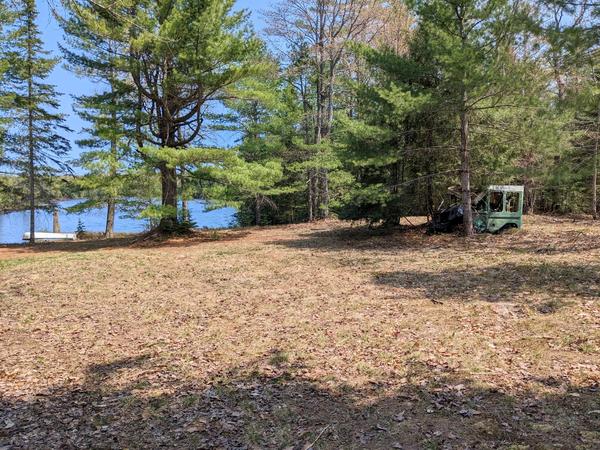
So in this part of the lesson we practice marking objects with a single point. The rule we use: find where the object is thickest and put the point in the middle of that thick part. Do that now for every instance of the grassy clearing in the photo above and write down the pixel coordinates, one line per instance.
(323, 334)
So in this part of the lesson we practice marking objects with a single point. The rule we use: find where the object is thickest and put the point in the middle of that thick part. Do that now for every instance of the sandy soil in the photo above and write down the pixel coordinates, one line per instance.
(321, 335)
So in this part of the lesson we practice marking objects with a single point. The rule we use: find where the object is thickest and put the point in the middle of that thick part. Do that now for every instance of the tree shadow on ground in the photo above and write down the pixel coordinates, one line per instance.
(129, 242)
(365, 239)
(395, 239)
(505, 282)
(271, 404)
(559, 242)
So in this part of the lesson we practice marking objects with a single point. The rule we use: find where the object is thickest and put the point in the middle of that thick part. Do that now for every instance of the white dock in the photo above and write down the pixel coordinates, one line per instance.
(45, 236)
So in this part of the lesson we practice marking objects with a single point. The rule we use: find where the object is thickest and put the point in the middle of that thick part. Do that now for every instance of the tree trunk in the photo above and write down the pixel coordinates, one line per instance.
(31, 180)
(324, 193)
(528, 185)
(311, 195)
(465, 164)
(315, 195)
(185, 209)
(560, 84)
(55, 220)
(595, 183)
(110, 219)
(429, 199)
(595, 169)
(430, 171)
(314, 173)
(320, 49)
(31, 155)
(528, 196)
(465, 171)
(257, 210)
(168, 179)
(111, 203)
(327, 124)
(329, 119)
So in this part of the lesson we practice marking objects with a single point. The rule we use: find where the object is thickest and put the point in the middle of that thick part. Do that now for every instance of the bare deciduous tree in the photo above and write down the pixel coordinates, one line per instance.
(320, 32)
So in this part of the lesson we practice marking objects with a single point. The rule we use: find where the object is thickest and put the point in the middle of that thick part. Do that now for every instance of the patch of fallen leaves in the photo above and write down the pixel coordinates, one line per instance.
(306, 336)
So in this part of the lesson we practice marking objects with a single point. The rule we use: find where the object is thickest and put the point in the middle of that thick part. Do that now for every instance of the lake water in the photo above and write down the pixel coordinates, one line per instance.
(14, 224)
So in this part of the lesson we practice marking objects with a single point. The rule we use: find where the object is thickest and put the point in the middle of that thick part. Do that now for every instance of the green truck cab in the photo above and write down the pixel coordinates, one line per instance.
(499, 208)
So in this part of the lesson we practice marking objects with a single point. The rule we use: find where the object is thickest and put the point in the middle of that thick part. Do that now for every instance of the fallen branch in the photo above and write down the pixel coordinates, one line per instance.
(309, 446)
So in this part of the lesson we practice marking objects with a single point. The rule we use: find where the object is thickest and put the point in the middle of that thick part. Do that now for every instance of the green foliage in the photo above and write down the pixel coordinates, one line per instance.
(264, 112)
(180, 55)
(33, 144)
(80, 230)
(111, 112)
(402, 150)
(6, 20)
(156, 213)
(373, 133)
(399, 135)
(13, 192)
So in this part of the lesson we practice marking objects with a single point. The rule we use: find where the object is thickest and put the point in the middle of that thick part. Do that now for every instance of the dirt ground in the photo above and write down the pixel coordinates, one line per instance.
(323, 336)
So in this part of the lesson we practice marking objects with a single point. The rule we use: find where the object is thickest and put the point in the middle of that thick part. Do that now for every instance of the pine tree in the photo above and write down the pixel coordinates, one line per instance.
(262, 111)
(584, 100)
(6, 20)
(34, 143)
(395, 141)
(181, 55)
(110, 142)
(567, 35)
(318, 34)
(111, 111)
(473, 45)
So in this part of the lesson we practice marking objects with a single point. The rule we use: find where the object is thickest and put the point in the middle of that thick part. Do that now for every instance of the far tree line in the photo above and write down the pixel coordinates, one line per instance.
(358, 109)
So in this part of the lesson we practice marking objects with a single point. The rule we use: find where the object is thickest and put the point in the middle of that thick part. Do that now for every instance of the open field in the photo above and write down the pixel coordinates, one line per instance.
(321, 335)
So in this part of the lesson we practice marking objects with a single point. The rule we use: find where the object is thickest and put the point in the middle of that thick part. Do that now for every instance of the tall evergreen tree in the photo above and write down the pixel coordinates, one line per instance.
(110, 111)
(584, 99)
(109, 143)
(473, 45)
(264, 113)
(35, 147)
(395, 142)
(181, 55)
(318, 34)
(567, 34)
(6, 19)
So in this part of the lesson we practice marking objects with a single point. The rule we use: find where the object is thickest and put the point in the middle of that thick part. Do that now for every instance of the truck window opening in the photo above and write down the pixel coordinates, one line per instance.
(512, 202)
(496, 201)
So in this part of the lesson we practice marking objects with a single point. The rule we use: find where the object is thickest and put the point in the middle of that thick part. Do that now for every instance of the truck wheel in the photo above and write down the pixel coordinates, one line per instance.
(507, 227)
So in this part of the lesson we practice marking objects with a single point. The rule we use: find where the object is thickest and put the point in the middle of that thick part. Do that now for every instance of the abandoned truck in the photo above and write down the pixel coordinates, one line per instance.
(495, 210)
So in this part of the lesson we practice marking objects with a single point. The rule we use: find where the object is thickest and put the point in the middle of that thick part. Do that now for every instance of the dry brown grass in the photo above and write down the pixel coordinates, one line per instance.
(277, 337)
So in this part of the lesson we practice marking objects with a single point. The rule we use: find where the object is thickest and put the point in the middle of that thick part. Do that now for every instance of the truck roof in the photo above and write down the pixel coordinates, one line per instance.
(506, 187)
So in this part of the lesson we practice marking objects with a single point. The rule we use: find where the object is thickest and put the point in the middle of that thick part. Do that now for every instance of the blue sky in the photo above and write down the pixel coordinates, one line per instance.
(68, 84)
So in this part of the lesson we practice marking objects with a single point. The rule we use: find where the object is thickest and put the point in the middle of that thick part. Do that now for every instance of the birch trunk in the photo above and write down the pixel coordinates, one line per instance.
(595, 175)
(55, 220)
(465, 170)
(31, 153)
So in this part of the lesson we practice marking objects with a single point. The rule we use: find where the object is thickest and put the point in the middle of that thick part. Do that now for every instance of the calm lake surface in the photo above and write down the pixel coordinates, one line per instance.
(14, 224)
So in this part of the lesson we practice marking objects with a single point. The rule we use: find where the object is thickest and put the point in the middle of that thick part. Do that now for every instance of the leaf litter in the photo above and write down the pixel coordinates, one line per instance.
(290, 336)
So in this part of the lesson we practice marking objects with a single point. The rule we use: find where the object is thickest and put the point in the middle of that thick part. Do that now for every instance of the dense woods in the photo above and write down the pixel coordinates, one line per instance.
(359, 109)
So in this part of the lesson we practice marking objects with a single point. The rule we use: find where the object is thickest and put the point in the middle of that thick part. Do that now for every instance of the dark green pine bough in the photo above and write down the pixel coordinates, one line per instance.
(33, 147)
(97, 54)
(179, 57)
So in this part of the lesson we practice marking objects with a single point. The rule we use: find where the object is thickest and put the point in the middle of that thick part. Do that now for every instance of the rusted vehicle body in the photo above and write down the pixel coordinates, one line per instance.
(497, 209)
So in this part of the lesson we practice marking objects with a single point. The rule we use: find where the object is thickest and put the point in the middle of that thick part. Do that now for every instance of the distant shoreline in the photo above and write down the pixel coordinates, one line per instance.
(40, 207)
